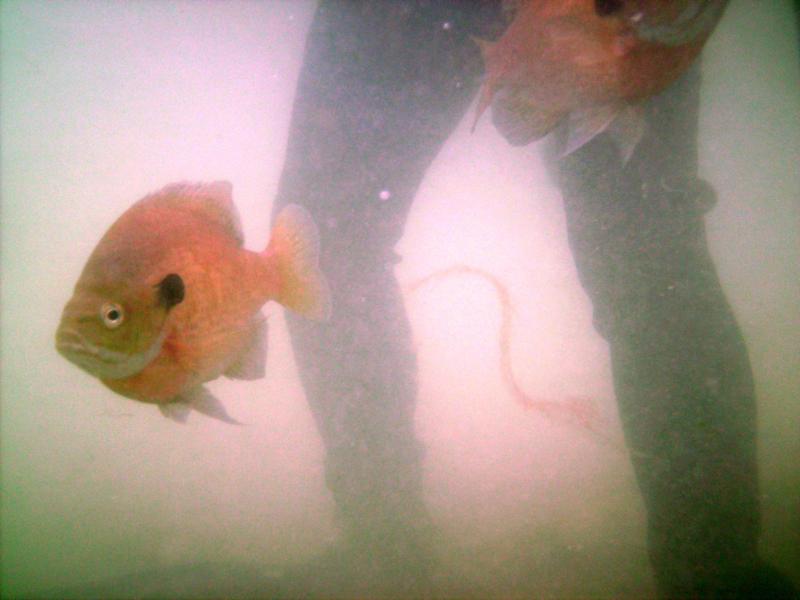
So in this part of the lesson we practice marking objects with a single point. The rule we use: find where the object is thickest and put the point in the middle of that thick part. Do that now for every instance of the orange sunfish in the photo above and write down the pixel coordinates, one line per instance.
(586, 65)
(169, 299)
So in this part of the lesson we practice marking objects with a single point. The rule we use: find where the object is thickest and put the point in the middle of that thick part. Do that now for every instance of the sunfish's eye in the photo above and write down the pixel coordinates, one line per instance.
(112, 315)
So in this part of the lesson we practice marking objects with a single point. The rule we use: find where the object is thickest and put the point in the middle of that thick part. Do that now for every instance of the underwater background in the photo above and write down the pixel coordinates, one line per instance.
(104, 102)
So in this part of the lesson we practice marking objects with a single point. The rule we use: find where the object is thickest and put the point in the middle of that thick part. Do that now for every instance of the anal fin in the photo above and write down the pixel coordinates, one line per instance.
(585, 124)
(199, 399)
(176, 411)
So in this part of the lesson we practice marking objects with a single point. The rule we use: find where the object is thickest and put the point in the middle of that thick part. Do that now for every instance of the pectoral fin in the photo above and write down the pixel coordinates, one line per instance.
(625, 124)
(627, 130)
(583, 125)
(250, 363)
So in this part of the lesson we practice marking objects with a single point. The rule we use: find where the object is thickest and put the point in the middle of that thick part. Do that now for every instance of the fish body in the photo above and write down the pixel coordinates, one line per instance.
(588, 64)
(169, 299)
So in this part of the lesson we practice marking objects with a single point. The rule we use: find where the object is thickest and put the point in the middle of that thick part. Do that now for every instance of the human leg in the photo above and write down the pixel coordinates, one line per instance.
(382, 86)
(681, 371)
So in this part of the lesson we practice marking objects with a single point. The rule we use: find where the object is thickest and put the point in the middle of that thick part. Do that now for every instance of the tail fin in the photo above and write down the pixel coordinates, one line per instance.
(294, 246)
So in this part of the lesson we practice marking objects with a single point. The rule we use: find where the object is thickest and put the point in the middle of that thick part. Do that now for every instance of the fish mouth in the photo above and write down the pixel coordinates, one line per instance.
(100, 361)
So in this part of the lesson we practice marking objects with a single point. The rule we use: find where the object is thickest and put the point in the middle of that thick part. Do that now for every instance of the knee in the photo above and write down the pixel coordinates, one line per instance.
(639, 260)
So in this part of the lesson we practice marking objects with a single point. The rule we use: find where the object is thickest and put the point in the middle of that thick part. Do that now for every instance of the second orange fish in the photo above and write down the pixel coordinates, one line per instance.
(586, 65)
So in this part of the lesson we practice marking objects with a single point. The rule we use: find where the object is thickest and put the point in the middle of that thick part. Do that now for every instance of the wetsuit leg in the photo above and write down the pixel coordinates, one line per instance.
(382, 86)
(681, 371)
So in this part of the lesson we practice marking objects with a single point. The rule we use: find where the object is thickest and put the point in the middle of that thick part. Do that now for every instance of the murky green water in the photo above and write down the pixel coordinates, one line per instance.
(103, 102)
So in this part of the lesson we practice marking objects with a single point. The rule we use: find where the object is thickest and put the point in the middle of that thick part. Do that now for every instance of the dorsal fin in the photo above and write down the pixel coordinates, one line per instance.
(488, 52)
(211, 201)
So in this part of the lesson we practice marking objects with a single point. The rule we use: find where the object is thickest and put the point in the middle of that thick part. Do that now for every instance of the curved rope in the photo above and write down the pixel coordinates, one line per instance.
(576, 412)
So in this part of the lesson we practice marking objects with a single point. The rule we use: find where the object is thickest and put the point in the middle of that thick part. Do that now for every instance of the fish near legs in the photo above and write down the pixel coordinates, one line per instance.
(681, 371)
(291, 276)
(169, 298)
(382, 86)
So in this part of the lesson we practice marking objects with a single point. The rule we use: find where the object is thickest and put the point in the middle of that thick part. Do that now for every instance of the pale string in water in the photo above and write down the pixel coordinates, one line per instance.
(574, 411)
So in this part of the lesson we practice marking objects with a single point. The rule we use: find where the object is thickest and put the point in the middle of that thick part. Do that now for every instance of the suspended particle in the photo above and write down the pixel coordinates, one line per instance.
(385, 195)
